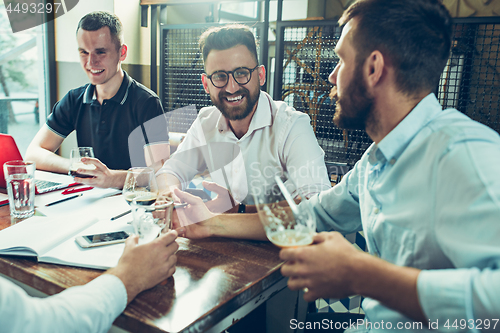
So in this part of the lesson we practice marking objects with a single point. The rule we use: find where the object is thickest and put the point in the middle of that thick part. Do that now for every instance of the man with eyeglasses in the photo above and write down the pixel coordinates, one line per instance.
(246, 138)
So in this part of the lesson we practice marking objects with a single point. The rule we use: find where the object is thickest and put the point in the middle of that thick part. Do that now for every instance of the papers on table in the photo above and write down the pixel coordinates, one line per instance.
(52, 238)
(73, 206)
(4, 199)
(88, 200)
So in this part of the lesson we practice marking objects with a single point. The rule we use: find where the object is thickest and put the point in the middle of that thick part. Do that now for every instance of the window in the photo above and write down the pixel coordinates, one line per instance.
(22, 81)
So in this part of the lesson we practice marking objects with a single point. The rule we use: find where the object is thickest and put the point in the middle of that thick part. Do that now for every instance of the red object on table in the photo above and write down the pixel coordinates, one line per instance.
(77, 189)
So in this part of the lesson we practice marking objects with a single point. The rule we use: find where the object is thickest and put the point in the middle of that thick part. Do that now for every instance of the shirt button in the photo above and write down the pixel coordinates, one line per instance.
(376, 210)
(103, 122)
(392, 161)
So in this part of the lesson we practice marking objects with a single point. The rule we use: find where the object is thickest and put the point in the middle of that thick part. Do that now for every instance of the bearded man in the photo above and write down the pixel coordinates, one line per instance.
(246, 138)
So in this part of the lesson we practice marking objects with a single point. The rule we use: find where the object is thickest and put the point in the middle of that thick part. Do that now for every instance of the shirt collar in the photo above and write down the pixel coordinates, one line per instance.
(261, 118)
(120, 97)
(393, 144)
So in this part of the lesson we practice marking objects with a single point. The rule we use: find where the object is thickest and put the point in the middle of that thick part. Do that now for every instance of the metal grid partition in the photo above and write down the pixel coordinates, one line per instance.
(470, 81)
(306, 50)
(181, 66)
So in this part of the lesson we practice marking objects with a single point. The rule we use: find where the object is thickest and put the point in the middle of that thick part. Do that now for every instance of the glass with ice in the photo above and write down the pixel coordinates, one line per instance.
(150, 220)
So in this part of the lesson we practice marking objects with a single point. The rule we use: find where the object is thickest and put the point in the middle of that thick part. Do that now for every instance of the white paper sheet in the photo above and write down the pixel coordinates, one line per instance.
(85, 202)
(52, 238)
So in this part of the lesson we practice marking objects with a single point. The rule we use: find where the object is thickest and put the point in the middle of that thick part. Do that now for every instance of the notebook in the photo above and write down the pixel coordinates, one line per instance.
(4, 199)
(10, 152)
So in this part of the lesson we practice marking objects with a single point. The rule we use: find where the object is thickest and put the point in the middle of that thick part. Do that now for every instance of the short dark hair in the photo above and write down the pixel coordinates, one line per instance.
(97, 20)
(414, 36)
(226, 37)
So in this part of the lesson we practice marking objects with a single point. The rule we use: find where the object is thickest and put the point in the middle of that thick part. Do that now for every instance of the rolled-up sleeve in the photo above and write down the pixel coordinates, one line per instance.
(188, 159)
(338, 208)
(304, 159)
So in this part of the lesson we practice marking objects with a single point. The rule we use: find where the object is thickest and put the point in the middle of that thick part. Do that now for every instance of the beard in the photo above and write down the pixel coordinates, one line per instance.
(236, 112)
(355, 107)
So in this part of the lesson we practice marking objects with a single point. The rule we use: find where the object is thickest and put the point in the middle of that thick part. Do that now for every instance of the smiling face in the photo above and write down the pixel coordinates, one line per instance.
(235, 101)
(99, 56)
(353, 103)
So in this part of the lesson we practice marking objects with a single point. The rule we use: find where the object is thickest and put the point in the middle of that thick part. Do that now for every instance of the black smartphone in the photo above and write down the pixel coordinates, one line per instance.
(194, 191)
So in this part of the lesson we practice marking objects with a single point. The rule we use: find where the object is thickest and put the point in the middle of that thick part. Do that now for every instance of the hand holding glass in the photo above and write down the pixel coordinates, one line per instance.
(283, 227)
(151, 219)
(140, 184)
(75, 160)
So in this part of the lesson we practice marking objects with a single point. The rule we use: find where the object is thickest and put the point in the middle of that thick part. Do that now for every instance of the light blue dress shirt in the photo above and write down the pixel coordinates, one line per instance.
(89, 308)
(428, 196)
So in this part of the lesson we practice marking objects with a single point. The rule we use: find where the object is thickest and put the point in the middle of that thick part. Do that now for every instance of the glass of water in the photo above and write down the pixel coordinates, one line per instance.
(19, 176)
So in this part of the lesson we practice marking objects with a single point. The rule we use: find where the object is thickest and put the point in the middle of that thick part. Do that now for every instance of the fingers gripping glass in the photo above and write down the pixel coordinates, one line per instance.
(241, 75)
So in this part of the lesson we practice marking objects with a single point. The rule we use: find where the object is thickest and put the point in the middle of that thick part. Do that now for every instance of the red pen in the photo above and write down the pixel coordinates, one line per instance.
(76, 190)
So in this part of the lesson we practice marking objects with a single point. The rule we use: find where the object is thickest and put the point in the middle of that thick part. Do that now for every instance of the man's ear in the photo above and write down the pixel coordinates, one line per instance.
(374, 68)
(262, 75)
(123, 52)
(204, 80)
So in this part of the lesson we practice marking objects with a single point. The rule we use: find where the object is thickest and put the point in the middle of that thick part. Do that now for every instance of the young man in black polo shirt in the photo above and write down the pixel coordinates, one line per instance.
(104, 113)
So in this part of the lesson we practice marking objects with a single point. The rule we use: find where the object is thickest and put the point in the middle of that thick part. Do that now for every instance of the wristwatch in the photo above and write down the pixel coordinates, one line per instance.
(241, 208)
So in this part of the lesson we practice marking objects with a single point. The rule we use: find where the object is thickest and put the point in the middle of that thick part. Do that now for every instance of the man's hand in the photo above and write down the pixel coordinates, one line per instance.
(144, 266)
(328, 278)
(102, 176)
(194, 220)
(333, 268)
(224, 202)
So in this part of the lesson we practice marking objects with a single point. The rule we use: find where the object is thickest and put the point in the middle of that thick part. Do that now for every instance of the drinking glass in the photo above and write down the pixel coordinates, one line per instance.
(75, 160)
(156, 154)
(163, 210)
(140, 184)
(19, 176)
(151, 219)
(285, 226)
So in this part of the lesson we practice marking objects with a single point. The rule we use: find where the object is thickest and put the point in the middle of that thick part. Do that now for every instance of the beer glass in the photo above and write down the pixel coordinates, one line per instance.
(286, 223)
(140, 184)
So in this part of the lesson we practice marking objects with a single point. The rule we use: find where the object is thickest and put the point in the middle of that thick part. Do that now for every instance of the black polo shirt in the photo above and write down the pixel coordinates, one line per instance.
(117, 129)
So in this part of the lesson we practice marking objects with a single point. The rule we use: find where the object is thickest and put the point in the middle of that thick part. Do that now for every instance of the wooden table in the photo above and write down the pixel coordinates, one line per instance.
(217, 282)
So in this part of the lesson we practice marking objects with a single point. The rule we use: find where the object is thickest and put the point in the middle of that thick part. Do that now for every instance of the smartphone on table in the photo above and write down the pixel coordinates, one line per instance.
(102, 239)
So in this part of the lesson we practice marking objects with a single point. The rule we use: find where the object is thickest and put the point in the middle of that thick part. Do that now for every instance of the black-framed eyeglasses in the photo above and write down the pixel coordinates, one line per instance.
(241, 75)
